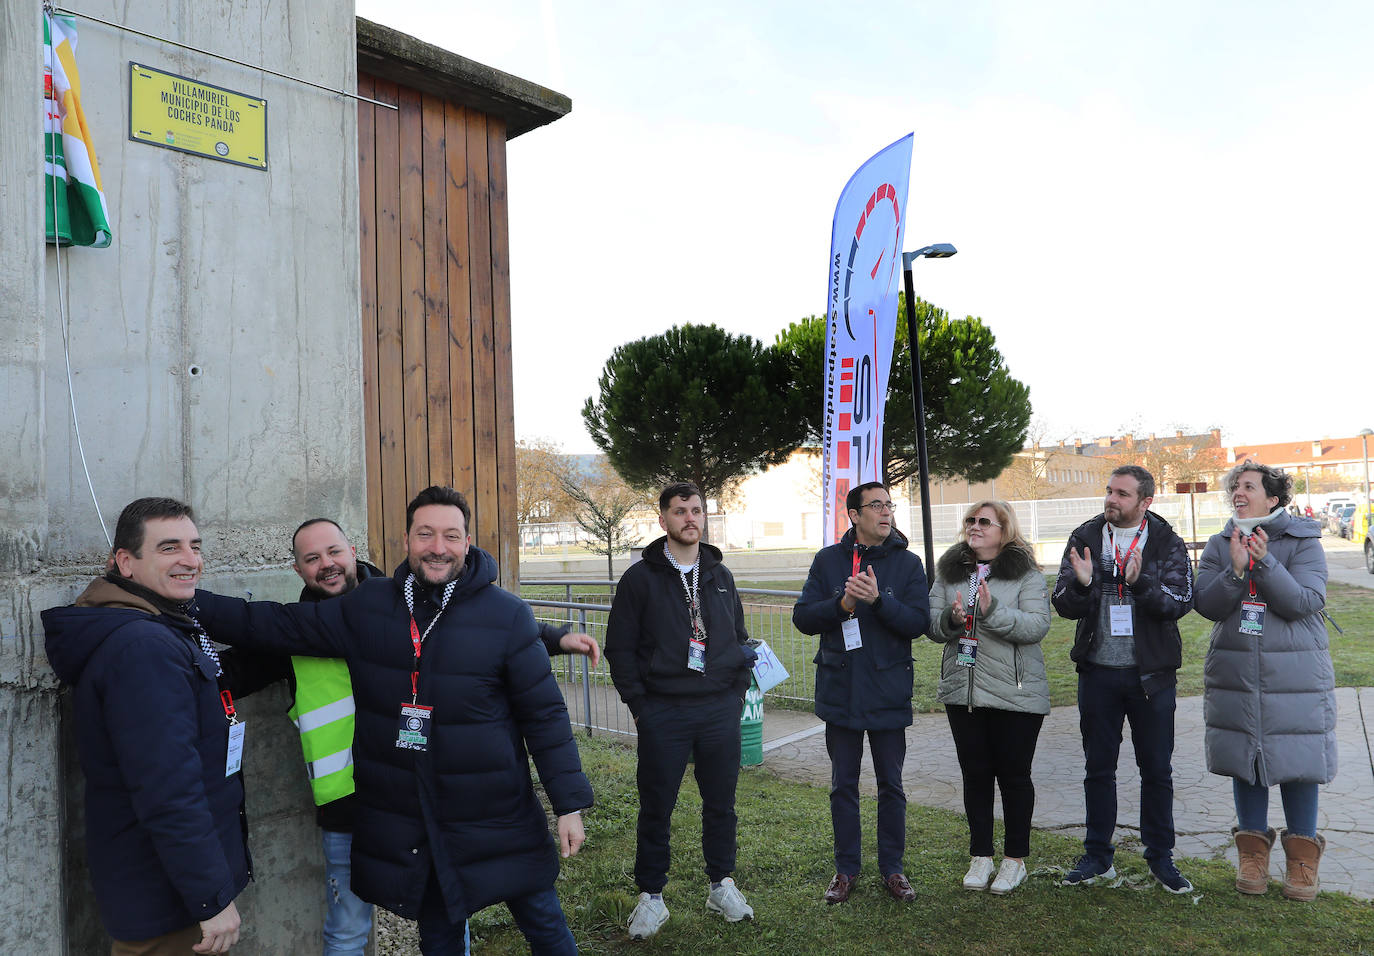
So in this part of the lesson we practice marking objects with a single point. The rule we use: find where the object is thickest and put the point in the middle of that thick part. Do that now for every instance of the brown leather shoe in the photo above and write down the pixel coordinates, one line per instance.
(900, 889)
(840, 888)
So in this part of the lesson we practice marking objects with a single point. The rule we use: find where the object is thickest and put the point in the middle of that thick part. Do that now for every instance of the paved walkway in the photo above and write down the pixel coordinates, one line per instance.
(1203, 809)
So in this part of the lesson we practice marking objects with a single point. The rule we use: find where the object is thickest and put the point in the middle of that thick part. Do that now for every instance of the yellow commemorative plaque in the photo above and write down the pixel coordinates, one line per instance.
(178, 113)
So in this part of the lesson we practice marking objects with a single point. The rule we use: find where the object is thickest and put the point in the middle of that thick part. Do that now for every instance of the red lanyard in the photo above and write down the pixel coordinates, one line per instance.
(856, 560)
(419, 643)
(226, 700)
(1250, 576)
(1119, 562)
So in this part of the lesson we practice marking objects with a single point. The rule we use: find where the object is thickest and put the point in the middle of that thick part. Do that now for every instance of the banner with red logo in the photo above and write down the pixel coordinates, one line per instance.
(861, 311)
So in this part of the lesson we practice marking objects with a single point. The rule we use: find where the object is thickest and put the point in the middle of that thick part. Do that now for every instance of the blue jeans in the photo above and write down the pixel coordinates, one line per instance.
(1106, 697)
(1299, 806)
(348, 920)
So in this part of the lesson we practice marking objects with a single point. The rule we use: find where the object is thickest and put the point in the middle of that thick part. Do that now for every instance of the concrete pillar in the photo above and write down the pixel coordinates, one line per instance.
(250, 276)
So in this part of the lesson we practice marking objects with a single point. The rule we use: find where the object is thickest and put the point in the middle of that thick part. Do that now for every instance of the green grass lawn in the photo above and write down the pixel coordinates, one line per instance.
(785, 863)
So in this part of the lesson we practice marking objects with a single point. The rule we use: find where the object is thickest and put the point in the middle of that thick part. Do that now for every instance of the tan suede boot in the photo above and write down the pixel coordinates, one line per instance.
(1303, 854)
(1253, 847)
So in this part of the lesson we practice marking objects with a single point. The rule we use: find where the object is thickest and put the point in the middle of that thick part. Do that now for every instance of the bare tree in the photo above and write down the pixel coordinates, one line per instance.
(539, 494)
(602, 501)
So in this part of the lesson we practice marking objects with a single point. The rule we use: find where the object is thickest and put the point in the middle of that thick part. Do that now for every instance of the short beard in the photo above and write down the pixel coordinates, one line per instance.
(417, 568)
(350, 582)
(676, 536)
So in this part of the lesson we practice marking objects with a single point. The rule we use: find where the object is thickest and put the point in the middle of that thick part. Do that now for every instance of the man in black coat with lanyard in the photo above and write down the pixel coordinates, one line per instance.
(453, 695)
(1126, 580)
(675, 642)
(866, 597)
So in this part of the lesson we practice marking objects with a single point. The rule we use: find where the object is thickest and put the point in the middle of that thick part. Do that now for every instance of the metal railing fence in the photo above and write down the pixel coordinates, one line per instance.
(592, 701)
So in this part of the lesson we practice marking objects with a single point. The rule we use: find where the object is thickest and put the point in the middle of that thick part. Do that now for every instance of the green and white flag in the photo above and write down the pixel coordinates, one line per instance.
(76, 212)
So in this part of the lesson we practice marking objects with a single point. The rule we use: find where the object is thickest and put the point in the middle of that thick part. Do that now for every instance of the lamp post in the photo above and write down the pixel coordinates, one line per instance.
(1364, 442)
(941, 250)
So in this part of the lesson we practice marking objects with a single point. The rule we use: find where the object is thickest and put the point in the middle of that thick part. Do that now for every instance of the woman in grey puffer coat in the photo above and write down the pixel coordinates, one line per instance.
(1269, 699)
(990, 607)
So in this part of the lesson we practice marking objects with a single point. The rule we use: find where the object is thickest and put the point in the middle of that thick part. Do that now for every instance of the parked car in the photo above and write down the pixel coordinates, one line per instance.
(1345, 520)
(1369, 555)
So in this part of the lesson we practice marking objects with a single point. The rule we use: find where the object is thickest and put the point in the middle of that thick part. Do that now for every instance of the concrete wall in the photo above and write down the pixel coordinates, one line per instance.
(252, 278)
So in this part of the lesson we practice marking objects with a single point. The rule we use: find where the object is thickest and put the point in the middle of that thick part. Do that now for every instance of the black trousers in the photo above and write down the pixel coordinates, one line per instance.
(671, 730)
(996, 745)
(846, 749)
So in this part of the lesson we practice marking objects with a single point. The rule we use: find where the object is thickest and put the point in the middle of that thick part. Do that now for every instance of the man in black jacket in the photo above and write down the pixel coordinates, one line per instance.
(1126, 579)
(675, 642)
(867, 599)
(453, 696)
(160, 749)
(322, 710)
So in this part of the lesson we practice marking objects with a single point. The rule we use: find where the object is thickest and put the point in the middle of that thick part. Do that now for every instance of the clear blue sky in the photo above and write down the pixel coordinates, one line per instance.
(1161, 210)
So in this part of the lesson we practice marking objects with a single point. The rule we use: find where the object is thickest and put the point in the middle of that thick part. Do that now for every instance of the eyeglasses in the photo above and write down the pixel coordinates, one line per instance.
(980, 521)
(878, 507)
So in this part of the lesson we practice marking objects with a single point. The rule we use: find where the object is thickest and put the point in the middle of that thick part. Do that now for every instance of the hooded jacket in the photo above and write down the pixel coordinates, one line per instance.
(465, 807)
(1009, 670)
(647, 633)
(1162, 594)
(868, 688)
(166, 834)
(1269, 701)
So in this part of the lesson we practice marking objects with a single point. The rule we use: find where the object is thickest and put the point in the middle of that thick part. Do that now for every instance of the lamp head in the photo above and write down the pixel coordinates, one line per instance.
(940, 250)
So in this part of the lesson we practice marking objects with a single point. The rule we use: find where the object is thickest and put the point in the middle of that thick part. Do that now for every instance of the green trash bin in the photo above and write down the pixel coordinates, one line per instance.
(751, 727)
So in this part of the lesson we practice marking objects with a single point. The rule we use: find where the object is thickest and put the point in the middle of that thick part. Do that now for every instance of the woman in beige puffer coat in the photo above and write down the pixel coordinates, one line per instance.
(989, 606)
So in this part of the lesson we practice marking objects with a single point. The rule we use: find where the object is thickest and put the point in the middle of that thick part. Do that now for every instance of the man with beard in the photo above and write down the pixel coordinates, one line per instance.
(453, 694)
(322, 710)
(1125, 578)
(675, 642)
(866, 597)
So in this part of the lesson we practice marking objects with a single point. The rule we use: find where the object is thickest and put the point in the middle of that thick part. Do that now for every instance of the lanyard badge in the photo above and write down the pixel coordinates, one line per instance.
(696, 639)
(413, 726)
(1252, 609)
(233, 761)
(968, 641)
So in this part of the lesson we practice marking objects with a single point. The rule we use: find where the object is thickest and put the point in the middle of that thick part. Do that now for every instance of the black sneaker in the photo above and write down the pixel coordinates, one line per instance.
(1169, 877)
(1087, 871)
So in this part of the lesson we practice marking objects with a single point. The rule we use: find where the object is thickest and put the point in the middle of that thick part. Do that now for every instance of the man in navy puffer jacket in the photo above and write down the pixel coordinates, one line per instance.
(453, 693)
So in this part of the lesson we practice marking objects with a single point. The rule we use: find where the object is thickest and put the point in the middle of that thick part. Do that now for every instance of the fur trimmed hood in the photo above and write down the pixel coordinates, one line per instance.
(956, 564)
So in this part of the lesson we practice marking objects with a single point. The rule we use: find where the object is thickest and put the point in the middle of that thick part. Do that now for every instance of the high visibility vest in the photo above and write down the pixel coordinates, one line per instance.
(323, 713)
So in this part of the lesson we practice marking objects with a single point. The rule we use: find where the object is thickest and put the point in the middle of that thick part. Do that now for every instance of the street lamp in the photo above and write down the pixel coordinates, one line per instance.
(1364, 442)
(941, 250)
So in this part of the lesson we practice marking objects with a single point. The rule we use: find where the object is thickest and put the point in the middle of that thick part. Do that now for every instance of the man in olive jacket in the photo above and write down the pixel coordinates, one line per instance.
(1126, 579)
(867, 599)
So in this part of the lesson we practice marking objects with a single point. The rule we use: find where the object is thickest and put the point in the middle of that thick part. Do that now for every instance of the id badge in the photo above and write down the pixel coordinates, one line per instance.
(853, 640)
(696, 655)
(1252, 618)
(968, 652)
(412, 733)
(234, 760)
(1122, 624)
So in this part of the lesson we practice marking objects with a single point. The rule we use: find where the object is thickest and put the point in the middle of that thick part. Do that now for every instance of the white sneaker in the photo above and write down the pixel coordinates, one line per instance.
(729, 902)
(1011, 875)
(648, 917)
(979, 873)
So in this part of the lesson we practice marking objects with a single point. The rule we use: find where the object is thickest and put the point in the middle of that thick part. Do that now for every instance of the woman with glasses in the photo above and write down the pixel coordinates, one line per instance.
(990, 607)
(1268, 696)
